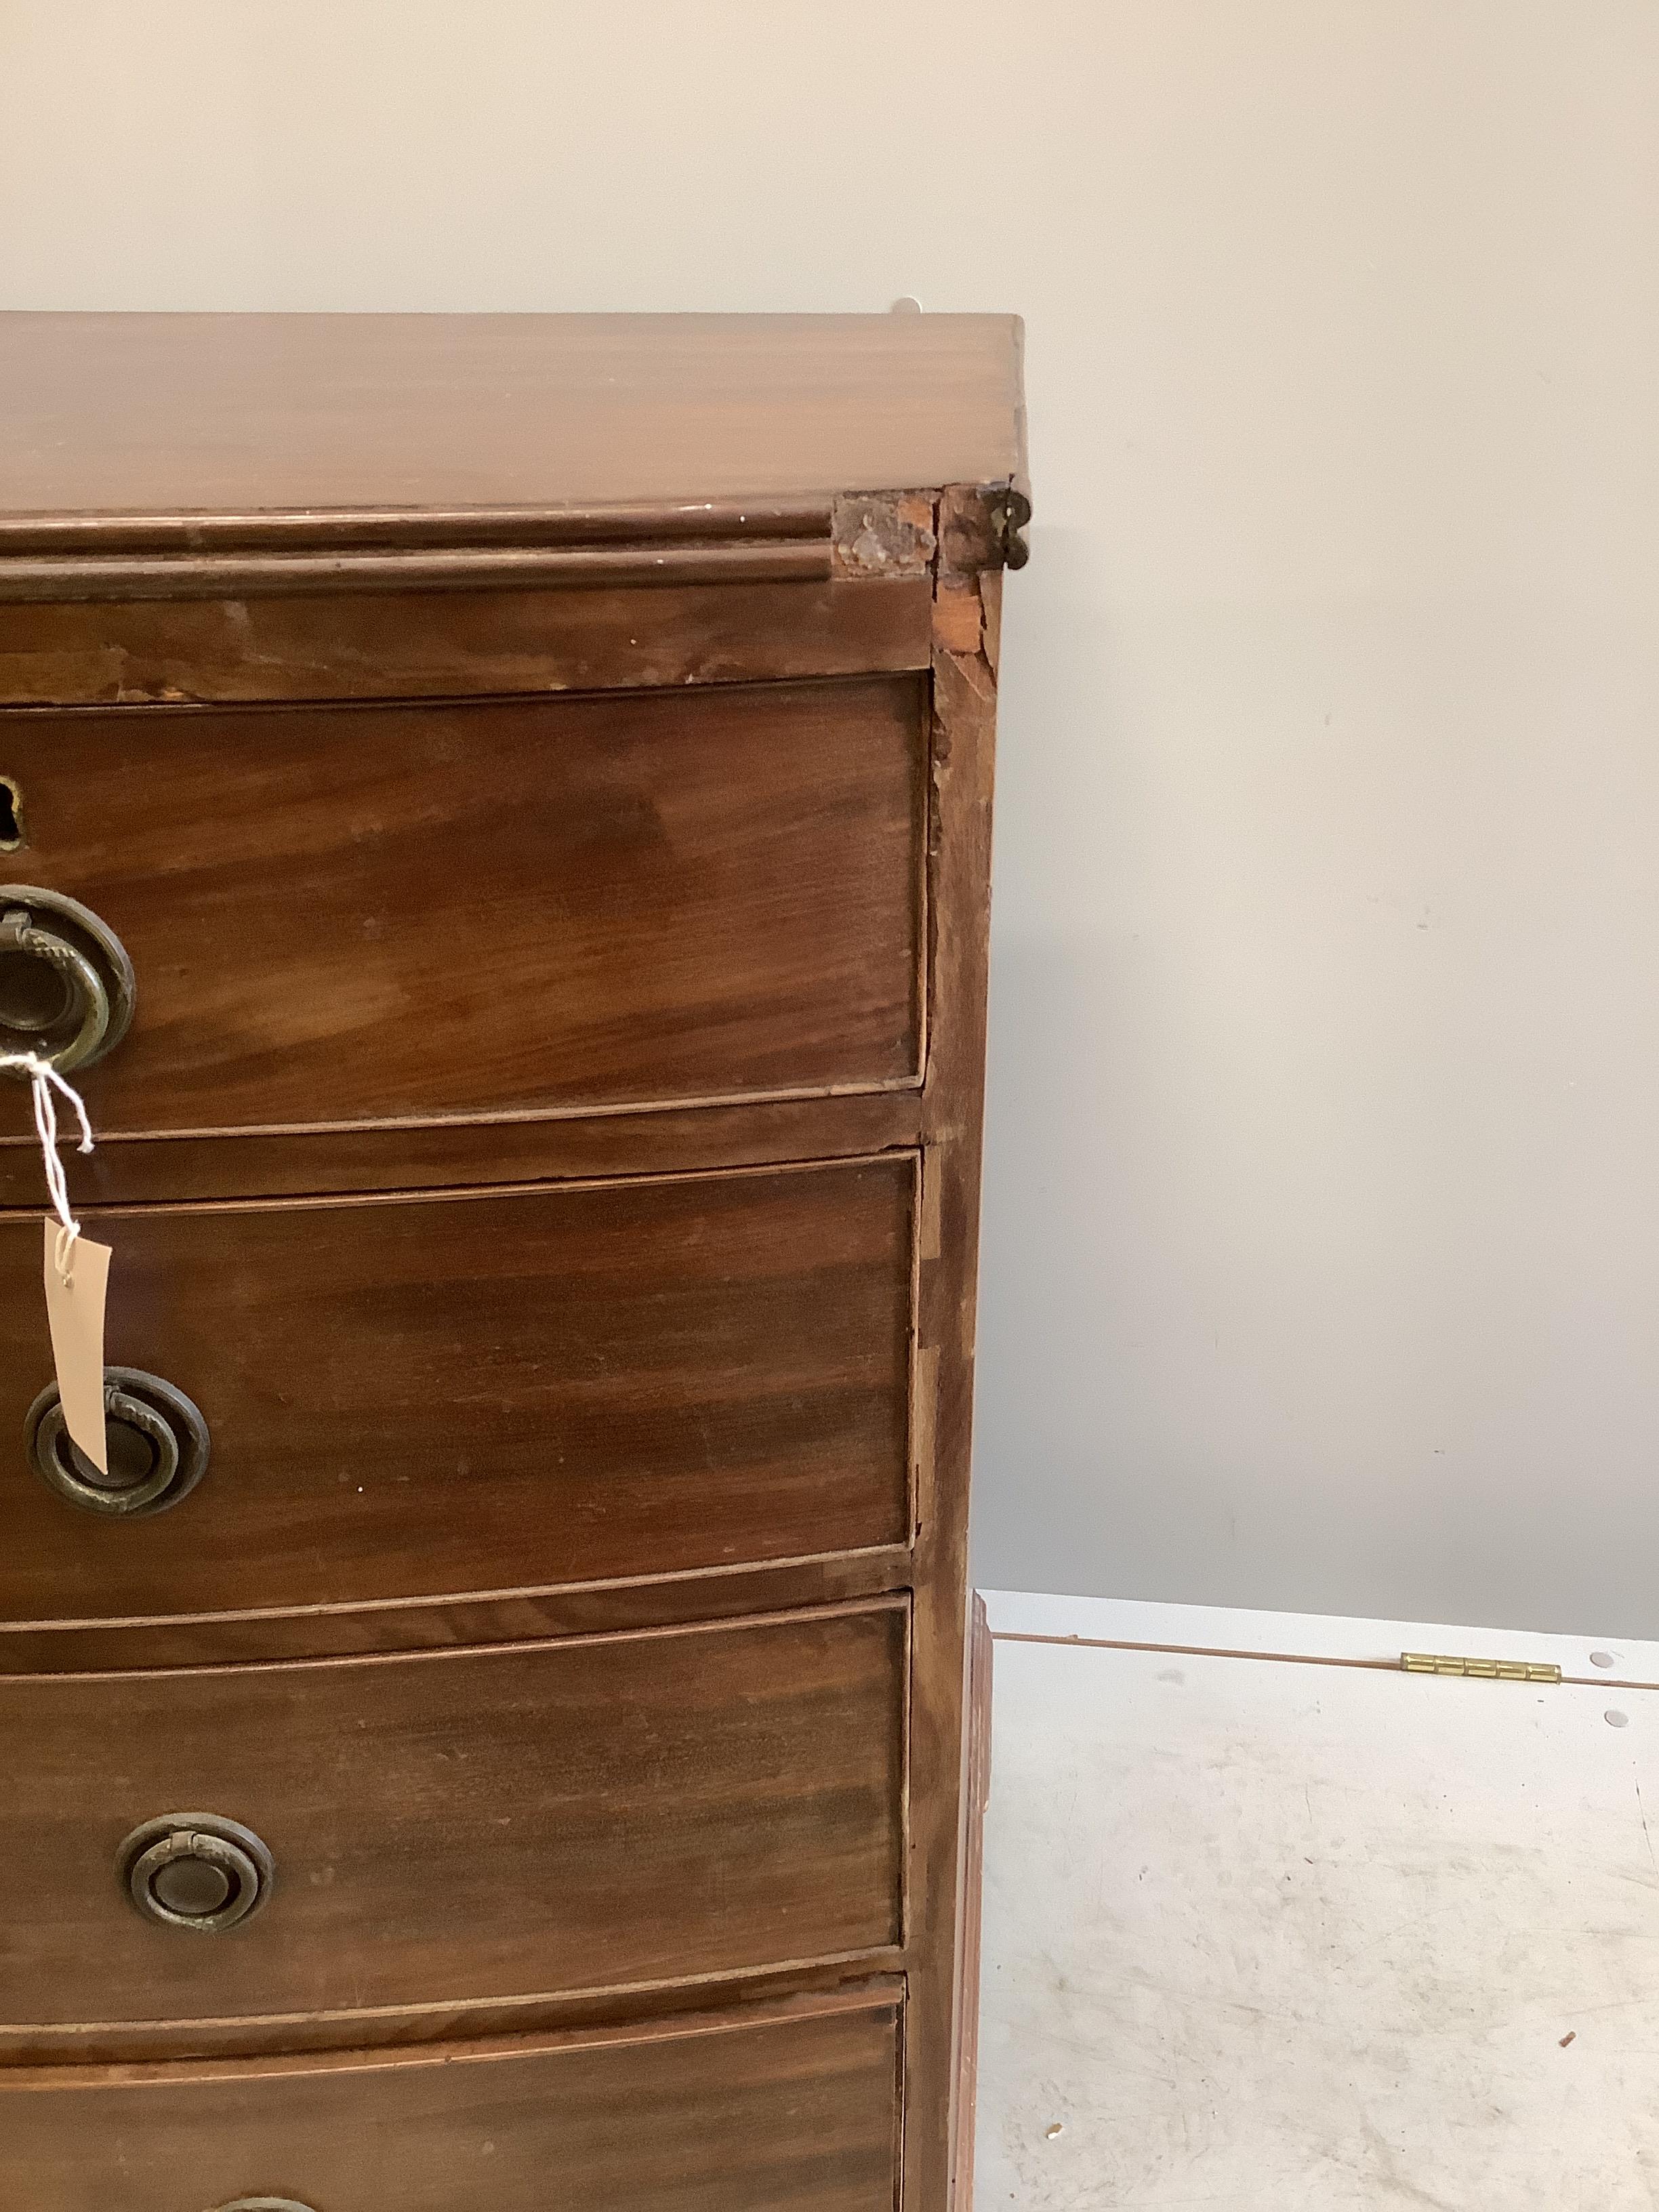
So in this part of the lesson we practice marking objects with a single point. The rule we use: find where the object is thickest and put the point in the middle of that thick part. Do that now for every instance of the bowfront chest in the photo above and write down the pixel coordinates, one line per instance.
(495, 823)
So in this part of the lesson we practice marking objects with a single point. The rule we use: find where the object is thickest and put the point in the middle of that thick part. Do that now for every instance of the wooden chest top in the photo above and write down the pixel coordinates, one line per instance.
(166, 413)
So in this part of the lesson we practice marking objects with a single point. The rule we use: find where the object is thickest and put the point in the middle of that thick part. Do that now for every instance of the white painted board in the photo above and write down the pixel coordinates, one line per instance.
(1314, 1635)
(1280, 1937)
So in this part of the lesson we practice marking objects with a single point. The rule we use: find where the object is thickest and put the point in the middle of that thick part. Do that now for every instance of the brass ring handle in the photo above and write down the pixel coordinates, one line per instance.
(67, 987)
(19, 934)
(196, 1870)
(65, 1466)
(158, 1447)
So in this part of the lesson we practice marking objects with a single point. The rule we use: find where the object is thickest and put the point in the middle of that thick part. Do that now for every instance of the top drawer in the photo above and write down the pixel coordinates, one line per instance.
(405, 914)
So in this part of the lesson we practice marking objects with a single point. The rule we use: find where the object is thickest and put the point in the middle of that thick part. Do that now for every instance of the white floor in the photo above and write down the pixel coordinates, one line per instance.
(1264, 1935)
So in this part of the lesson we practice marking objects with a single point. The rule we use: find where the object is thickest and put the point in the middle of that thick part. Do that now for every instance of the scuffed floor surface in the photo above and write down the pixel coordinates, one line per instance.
(1263, 1936)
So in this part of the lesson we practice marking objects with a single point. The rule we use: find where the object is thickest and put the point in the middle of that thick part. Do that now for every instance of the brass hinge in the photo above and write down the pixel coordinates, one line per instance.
(1483, 1670)
(1010, 512)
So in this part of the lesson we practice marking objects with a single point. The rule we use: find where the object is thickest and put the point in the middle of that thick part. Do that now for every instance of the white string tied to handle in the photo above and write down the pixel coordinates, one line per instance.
(44, 1080)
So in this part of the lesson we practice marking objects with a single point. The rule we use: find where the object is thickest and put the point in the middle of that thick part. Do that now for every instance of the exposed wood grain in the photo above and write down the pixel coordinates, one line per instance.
(167, 412)
(462, 1826)
(523, 1149)
(410, 644)
(746, 2112)
(956, 616)
(417, 912)
(488, 1391)
(964, 739)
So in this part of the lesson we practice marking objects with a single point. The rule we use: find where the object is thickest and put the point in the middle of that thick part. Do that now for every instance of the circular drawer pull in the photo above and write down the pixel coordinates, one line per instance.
(158, 1446)
(265, 2204)
(196, 1870)
(66, 985)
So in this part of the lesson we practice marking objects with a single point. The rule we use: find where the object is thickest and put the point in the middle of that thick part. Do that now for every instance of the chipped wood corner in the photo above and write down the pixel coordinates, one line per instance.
(882, 534)
(966, 611)
(990, 600)
(967, 532)
(963, 537)
(958, 617)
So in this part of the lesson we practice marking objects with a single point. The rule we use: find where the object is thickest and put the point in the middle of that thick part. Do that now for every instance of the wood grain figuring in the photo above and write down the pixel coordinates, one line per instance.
(412, 644)
(412, 913)
(739, 2113)
(165, 413)
(609, 1811)
(408, 1398)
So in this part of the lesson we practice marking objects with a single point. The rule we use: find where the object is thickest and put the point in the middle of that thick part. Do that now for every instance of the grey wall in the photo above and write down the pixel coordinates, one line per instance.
(1320, 1267)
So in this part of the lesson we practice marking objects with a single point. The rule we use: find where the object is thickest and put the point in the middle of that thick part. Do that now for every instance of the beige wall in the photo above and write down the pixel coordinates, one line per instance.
(1324, 1171)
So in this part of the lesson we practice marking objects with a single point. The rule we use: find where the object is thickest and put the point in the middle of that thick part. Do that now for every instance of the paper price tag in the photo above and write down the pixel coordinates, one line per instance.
(75, 1310)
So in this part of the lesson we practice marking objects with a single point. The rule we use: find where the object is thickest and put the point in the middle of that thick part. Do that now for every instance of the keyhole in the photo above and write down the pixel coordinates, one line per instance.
(11, 815)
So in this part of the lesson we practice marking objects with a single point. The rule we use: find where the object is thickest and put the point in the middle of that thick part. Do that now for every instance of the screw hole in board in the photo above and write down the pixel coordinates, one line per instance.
(11, 815)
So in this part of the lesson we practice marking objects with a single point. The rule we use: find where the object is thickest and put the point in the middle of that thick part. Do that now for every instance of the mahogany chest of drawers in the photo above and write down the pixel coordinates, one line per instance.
(494, 820)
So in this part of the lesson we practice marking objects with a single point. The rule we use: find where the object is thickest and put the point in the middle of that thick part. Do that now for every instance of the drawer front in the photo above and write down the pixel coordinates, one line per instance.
(797, 2111)
(361, 913)
(493, 1391)
(505, 1823)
